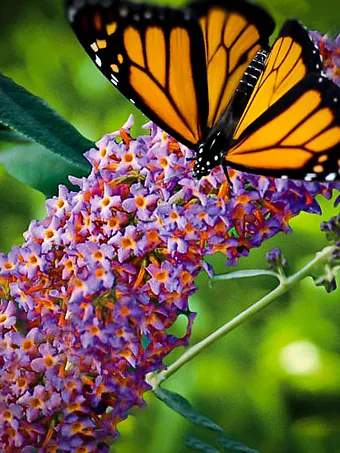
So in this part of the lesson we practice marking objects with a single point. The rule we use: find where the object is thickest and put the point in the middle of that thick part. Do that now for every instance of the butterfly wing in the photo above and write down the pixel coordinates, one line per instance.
(154, 55)
(298, 137)
(233, 32)
(177, 65)
(293, 56)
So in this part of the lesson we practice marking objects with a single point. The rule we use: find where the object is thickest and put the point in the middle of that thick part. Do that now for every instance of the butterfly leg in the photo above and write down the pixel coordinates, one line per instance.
(230, 184)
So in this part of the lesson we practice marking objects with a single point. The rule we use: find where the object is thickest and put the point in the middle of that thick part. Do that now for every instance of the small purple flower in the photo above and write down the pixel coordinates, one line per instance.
(275, 258)
(330, 52)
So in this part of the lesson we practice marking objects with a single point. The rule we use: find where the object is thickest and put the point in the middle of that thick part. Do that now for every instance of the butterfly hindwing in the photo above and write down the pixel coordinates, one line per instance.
(154, 55)
(233, 32)
(298, 137)
(292, 57)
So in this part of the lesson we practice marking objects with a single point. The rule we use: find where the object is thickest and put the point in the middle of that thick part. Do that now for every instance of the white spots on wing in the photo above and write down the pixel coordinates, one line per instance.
(187, 15)
(330, 177)
(310, 177)
(321, 79)
(136, 17)
(133, 102)
(147, 14)
(71, 13)
(216, 157)
(123, 12)
(208, 163)
(284, 177)
(98, 61)
(114, 80)
(73, 10)
(335, 100)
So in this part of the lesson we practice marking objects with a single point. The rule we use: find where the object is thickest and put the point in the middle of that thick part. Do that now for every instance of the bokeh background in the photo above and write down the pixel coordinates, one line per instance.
(275, 382)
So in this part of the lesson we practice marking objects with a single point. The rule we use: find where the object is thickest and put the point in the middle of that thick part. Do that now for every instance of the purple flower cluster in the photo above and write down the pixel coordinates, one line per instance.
(330, 52)
(87, 300)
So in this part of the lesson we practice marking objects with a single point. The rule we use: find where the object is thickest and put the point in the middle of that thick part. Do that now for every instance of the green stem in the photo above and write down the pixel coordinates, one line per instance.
(155, 379)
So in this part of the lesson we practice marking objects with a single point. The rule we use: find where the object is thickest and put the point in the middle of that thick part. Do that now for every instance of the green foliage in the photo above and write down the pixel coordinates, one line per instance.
(182, 406)
(272, 383)
(60, 145)
(198, 445)
(38, 167)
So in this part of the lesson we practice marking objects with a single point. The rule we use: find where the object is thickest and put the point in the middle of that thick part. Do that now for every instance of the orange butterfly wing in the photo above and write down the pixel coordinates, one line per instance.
(233, 32)
(157, 56)
(291, 125)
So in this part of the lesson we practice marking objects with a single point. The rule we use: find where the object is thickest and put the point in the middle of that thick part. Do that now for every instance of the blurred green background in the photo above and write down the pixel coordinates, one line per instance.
(275, 382)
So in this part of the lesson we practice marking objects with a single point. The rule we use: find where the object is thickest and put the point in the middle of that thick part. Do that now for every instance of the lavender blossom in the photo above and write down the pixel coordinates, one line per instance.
(87, 300)
(330, 52)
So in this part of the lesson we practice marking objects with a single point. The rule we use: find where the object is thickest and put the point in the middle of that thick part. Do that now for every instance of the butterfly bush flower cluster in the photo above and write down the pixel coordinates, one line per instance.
(86, 302)
(330, 52)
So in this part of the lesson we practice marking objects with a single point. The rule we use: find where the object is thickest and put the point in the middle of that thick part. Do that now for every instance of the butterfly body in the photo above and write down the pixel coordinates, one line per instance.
(188, 71)
(211, 151)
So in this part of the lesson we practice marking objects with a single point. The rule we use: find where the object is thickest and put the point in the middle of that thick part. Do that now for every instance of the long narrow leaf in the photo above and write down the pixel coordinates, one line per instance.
(35, 165)
(35, 119)
(233, 446)
(198, 445)
(8, 136)
(184, 408)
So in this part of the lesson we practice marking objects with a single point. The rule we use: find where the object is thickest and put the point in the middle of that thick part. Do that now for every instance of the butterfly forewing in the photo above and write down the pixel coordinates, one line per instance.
(292, 57)
(154, 55)
(298, 137)
(233, 32)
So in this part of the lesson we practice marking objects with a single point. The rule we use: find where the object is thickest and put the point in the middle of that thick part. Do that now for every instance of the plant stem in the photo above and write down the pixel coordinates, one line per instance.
(155, 379)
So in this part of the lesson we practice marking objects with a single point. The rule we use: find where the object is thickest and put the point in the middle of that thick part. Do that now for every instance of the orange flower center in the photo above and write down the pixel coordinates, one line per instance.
(161, 276)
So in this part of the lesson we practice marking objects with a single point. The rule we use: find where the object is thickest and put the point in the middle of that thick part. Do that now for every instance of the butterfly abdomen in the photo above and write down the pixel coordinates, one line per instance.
(211, 151)
(252, 74)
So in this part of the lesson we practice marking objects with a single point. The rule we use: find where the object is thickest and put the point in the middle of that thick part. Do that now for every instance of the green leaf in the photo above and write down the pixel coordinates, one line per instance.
(184, 408)
(9, 136)
(232, 446)
(40, 168)
(198, 445)
(36, 120)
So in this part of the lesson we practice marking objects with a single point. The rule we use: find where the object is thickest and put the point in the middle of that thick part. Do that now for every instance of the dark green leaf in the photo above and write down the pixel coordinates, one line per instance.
(36, 120)
(184, 408)
(40, 168)
(9, 136)
(232, 446)
(198, 445)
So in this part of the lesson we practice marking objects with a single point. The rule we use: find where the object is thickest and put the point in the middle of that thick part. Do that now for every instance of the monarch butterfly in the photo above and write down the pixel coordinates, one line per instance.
(203, 75)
